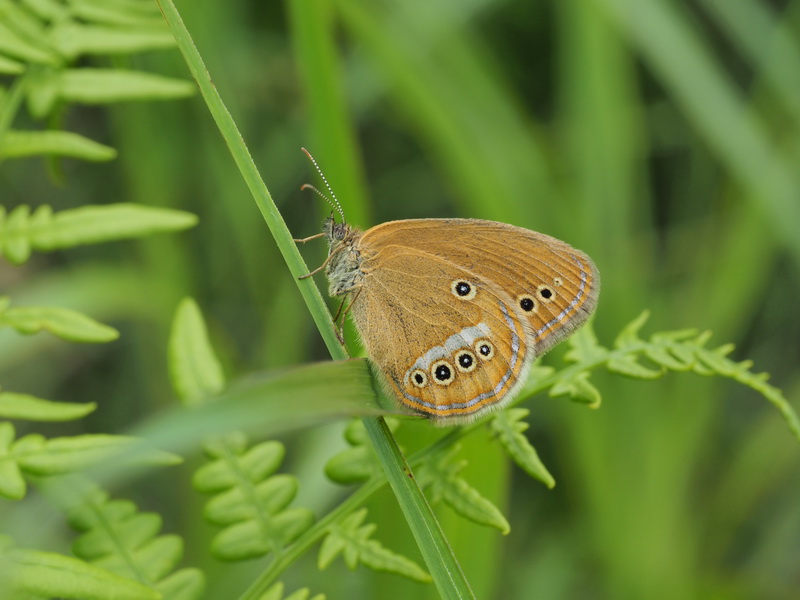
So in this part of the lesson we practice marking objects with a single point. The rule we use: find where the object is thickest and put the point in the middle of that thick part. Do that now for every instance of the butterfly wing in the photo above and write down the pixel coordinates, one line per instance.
(453, 311)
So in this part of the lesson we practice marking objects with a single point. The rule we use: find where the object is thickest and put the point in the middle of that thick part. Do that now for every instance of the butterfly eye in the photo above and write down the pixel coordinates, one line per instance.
(463, 290)
(546, 293)
(527, 303)
(442, 372)
(485, 349)
(465, 361)
(419, 378)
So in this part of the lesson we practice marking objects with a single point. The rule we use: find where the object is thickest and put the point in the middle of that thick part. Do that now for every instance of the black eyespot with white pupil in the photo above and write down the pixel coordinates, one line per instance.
(526, 303)
(462, 289)
(442, 372)
(485, 349)
(465, 361)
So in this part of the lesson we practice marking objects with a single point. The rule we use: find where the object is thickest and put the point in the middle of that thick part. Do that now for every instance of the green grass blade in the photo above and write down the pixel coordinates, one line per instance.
(448, 575)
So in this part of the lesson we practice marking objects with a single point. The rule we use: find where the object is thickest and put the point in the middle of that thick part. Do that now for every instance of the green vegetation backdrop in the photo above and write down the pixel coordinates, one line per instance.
(661, 137)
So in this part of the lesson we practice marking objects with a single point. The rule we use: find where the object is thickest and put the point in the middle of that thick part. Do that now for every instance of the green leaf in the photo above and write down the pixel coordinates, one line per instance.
(584, 347)
(10, 67)
(48, 10)
(186, 584)
(107, 86)
(351, 539)
(577, 386)
(25, 573)
(120, 539)
(440, 477)
(253, 537)
(61, 322)
(20, 232)
(234, 461)
(19, 144)
(358, 463)
(194, 369)
(37, 456)
(629, 365)
(276, 593)
(19, 47)
(117, 12)
(629, 335)
(74, 39)
(509, 427)
(60, 455)
(12, 483)
(250, 503)
(30, 408)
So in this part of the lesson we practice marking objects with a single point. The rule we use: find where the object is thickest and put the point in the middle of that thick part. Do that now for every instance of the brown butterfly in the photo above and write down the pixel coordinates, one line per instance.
(454, 311)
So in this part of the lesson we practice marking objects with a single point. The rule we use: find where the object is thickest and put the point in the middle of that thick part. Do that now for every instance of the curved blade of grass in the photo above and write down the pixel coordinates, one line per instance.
(441, 562)
(677, 55)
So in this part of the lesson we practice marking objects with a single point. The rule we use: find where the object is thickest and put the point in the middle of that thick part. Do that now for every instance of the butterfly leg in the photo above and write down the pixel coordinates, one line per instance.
(343, 315)
(308, 239)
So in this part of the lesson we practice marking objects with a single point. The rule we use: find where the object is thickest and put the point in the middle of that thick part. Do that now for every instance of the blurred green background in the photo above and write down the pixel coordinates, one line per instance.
(661, 137)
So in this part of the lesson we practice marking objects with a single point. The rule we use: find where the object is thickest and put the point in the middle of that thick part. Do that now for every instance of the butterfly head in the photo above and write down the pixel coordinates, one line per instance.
(344, 258)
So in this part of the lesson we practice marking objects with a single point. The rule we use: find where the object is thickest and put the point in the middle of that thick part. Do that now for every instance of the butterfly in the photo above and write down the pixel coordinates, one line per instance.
(453, 312)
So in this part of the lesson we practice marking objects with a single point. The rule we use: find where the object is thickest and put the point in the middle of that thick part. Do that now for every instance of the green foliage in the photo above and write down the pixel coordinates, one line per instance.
(120, 539)
(440, 477)
(33, 455)
(41, 41)
(31, 408)
(508, 426)
(352, 539)
(62, 322)
(250, 502)
(21, 232)
(681, 189)
(193, 367)
(357, 463)
(681, 350)
(276, 593)
(21, 144)
(34, 575)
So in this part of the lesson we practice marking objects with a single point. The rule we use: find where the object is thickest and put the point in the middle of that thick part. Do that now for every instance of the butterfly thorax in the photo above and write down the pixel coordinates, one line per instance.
(344, 258)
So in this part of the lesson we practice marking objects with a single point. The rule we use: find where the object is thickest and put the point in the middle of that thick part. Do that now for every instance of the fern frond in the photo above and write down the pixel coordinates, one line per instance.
(29, 408)
(120, 539)
(33, 455)
(680, 350)
(359, 462)
(194, 368)
(19, 144)
(440, 478)
(352, 539)
(61, 322)
(276, 593)
(45, 231)
(250, 503)
(509, 426)
(41, 41)
(34, 575)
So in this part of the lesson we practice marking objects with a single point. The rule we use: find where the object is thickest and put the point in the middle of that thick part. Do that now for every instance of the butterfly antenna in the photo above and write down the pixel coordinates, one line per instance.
(335, 202)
